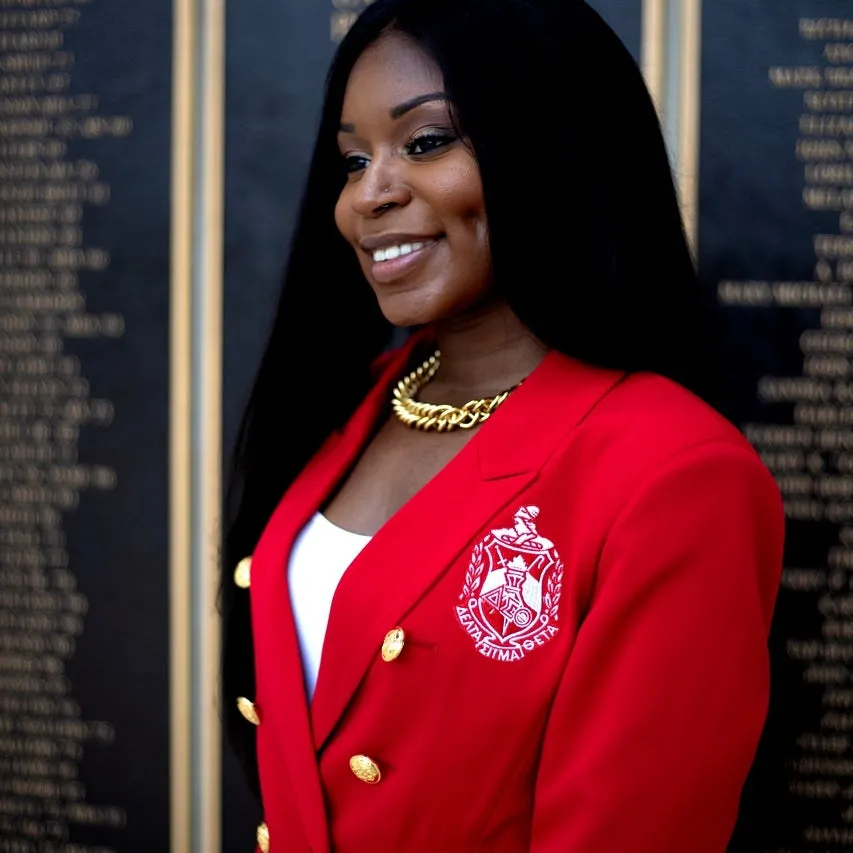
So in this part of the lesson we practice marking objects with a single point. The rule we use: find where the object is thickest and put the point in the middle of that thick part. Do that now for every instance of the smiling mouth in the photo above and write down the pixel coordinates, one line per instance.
(390, 253)
(392, 263)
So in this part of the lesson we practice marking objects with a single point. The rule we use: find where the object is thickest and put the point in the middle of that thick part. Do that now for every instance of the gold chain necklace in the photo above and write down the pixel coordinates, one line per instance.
(432, 416)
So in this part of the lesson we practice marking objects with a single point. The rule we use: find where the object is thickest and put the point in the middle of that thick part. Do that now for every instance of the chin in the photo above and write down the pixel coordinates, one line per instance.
(405, 320)
(406, 309)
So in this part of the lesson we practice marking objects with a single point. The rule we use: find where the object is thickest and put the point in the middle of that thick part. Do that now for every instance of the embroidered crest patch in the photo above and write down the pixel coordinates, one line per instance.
(512, 590)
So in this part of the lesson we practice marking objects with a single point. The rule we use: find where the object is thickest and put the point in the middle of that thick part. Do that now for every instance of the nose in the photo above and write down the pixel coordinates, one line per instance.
(380, 189)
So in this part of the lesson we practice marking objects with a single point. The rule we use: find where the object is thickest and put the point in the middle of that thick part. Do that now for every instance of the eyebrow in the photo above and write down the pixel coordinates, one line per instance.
(401, 109)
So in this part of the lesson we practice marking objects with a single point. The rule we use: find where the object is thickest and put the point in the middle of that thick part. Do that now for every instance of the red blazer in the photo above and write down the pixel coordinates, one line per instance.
(585, 593)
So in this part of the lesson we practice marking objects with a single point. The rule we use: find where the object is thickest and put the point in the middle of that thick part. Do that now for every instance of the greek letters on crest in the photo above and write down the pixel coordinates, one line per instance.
(512, 590)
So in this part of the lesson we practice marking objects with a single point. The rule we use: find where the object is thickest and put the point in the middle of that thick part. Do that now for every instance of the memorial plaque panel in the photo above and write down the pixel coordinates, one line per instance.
(776, 247)
(85, 98)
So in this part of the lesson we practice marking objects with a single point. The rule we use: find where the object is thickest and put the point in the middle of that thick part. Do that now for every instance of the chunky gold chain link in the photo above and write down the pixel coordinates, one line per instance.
(432, 416)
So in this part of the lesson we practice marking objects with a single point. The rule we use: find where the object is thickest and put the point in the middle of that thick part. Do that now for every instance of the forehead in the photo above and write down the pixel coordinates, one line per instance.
(390, 71)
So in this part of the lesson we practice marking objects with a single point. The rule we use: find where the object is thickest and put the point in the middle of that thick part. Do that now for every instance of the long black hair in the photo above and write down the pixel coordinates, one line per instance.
(586, 233)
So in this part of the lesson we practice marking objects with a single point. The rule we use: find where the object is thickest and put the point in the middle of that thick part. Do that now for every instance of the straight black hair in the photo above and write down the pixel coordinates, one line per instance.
(586, 233)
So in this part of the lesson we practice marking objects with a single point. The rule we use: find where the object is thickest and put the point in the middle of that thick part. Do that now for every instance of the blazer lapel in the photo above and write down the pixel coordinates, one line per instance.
(418, 544)
(278, 662)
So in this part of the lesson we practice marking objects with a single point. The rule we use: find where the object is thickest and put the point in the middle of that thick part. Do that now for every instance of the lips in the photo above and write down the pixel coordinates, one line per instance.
(393, 238)
(398, 250)
(398, 259)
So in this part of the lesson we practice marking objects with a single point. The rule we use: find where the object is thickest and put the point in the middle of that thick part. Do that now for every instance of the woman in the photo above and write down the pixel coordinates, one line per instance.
(542, 615)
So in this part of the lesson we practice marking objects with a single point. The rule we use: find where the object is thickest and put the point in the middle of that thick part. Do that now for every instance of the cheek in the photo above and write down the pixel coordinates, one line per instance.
(472, 212)
(344, 217)
(472, 215)
(463, 200)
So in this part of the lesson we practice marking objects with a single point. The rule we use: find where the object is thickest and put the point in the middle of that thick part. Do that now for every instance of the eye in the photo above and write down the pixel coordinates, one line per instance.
(355, 163)
(428, 143)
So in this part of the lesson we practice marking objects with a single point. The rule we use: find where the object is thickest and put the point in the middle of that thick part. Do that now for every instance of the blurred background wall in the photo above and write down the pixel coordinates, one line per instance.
(151, 159)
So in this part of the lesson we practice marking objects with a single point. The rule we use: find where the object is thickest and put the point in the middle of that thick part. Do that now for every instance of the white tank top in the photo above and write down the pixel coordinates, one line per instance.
(321, 554)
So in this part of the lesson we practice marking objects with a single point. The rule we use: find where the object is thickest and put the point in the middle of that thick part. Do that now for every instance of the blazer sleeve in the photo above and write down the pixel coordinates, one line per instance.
(658, 714)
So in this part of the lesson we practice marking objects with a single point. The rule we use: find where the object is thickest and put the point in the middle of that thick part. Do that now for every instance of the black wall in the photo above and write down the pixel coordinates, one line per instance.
(85, 92)
(774, 236)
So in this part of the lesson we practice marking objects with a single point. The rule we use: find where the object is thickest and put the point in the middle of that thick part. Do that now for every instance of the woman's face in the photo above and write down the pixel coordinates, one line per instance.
(412, 207)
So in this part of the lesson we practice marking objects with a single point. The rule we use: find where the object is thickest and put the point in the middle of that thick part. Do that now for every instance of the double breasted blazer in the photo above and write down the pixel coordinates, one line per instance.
(559, 645)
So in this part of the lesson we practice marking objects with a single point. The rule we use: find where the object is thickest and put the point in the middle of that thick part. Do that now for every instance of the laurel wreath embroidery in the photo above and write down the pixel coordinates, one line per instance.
(553, 589)
(472, 576)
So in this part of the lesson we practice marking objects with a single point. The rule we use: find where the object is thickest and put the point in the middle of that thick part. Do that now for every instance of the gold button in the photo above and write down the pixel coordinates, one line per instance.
(248, 710)
(243, 573)
(263, 837)
(393, 644)
(365, 769)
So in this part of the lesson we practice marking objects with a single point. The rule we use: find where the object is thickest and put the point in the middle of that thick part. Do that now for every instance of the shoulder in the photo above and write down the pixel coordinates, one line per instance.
(661, 414)
(653, 472)
(648, 414)
(648, 429)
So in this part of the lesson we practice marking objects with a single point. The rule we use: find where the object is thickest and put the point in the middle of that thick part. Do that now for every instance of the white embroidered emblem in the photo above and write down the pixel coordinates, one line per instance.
(512, 590)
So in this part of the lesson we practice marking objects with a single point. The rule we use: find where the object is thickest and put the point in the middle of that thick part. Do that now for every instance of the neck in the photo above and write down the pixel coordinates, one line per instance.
(482, 354)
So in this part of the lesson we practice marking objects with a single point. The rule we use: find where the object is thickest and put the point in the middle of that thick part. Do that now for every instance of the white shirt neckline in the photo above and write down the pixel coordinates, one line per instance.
(321, 554)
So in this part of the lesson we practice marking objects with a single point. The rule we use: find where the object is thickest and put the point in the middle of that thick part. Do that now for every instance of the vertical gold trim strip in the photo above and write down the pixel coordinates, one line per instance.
(653, 50)
(690, 71)
(209, 418)
(180, 455)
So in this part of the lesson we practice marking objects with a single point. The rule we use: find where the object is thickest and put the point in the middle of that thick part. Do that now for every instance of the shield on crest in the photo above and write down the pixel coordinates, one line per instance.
(512, 589)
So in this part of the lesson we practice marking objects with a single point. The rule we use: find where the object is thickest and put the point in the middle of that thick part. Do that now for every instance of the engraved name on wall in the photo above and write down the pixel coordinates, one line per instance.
(59, 333)
(789, 317)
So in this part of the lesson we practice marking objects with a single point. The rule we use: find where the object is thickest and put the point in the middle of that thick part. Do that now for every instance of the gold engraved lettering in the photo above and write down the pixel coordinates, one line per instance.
(46, 405)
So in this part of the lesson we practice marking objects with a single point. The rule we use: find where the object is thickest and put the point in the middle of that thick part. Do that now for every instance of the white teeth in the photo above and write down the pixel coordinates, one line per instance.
(392, 252)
